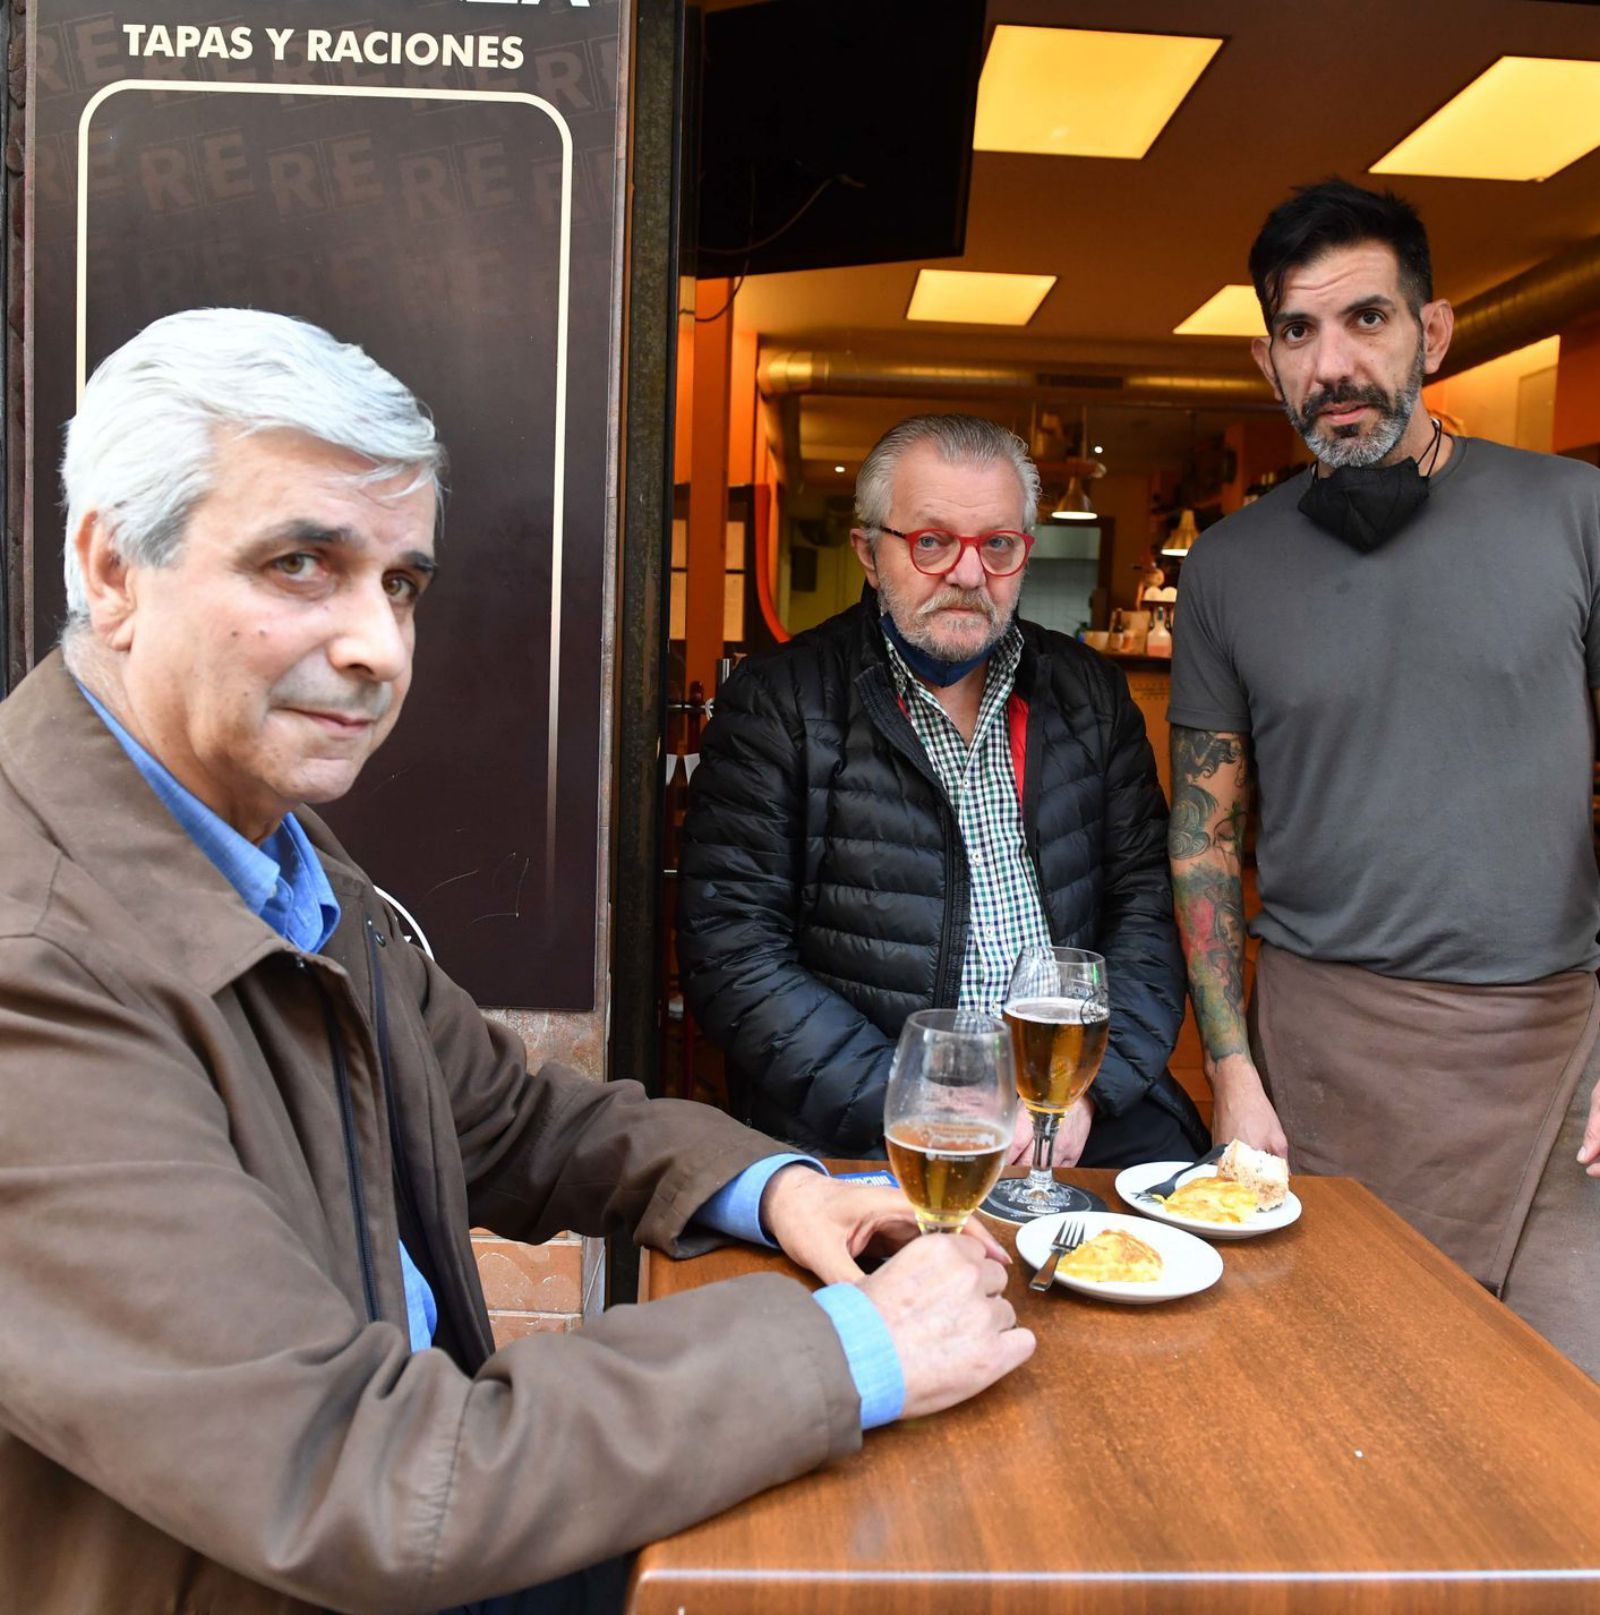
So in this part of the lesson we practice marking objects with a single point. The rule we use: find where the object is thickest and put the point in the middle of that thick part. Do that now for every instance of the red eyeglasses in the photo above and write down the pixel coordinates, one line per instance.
(935, 551)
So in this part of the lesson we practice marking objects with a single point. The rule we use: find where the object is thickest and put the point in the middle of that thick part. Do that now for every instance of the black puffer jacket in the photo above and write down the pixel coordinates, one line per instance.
(824, 888)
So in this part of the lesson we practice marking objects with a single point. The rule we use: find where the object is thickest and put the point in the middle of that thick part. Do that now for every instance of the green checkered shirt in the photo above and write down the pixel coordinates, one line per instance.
(1005, 914)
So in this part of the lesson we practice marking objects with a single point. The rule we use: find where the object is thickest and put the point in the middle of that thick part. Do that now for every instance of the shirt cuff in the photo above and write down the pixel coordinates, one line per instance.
(868, 1350)
(735, 1209)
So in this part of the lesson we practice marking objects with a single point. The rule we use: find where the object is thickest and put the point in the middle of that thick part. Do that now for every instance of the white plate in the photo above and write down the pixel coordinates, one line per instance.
(1187, 1264)
(1131, 1179)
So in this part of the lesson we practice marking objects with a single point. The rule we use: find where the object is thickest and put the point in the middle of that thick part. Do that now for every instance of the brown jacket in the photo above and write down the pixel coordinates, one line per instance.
(207, 1401)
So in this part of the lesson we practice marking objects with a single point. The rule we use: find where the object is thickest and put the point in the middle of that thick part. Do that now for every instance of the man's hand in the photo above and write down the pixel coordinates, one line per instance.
(1243, 1111)
(1589, 1149)
(1071, 1135)
(823, 1225)
(954, 1331)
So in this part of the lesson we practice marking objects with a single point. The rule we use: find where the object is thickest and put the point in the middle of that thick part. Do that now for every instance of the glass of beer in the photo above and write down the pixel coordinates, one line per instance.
(949, 1112)
(1059, 1011)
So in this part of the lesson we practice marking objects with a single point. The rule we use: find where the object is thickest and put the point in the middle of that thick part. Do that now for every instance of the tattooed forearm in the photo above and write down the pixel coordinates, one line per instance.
(1205, 838)
(1199, 822)
(1210, 907)
(1193, 809)
(1199, 753)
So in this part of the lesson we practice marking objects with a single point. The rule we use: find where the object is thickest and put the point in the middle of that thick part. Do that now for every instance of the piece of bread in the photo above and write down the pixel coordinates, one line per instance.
(1113, 1257)
(1267, 1174)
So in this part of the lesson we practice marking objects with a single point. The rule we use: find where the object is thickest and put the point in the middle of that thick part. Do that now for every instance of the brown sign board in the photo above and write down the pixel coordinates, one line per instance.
(435, 182)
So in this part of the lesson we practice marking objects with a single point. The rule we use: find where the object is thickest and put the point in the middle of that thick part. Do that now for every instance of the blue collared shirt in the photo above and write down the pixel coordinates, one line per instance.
(283, 882)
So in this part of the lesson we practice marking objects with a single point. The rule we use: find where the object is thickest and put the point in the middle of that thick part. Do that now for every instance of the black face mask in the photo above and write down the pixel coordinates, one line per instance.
(1366, 505)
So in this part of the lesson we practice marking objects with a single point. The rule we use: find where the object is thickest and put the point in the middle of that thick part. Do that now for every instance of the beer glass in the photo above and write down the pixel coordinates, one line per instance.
(1059, 1012)
(949, 1113)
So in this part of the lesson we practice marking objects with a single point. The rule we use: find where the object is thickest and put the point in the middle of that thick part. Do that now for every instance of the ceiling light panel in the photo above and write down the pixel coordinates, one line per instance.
(1524, 118)
(1233, 311)
(1078, 92)
(973, 297)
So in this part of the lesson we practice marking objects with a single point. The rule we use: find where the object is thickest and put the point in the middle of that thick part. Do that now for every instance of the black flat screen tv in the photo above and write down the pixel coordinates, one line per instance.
(835, 132)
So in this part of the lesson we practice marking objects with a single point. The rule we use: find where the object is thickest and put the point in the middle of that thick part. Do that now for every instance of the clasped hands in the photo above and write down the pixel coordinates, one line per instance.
(1071, 1135)
(953, 1329)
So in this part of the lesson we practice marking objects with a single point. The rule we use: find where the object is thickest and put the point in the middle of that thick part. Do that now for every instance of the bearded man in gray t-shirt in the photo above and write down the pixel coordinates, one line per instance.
(1399, 652)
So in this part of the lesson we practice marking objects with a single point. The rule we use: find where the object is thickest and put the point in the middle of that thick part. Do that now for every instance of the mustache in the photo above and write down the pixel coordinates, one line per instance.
(366, 701)
(953, 598)
(1347, 393)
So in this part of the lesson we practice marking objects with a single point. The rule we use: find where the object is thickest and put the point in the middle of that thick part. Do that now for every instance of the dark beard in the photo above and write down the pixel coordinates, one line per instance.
(1346, 445)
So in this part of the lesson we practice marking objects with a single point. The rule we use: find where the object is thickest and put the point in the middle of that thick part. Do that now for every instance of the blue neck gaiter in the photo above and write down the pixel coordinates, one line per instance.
(928, 667)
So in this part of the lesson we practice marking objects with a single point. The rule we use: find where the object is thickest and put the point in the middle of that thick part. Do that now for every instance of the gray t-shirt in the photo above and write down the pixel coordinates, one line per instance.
(1420, 718)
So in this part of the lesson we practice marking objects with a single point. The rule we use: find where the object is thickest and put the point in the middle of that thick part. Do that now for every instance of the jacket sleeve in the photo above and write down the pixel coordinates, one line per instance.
(1137, 934)
(816, 1060)
(168, 1338)
(548, 1149)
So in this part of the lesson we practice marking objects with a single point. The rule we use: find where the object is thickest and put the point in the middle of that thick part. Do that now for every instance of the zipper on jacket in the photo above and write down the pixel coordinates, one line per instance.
(347, 1116)
(1033, 762)
(896, 728)
(391, 1104)
(947, 983)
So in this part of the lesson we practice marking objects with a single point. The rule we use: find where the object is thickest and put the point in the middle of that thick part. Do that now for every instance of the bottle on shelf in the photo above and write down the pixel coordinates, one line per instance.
(1159, 640)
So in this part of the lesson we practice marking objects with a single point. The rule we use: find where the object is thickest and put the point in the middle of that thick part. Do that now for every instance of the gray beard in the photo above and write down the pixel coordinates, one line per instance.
(1348, 446)
(910, 620)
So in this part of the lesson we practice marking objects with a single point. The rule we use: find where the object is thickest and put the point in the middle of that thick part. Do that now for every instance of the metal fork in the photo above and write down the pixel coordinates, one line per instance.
(1158, 1191)
(1069, 1236)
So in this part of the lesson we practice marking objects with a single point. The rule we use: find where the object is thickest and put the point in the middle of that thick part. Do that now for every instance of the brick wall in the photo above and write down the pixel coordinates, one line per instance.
(550, 1288)
(535, 1289)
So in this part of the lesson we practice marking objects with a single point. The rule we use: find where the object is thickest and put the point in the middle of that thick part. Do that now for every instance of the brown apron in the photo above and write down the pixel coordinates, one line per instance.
(1444, 1100)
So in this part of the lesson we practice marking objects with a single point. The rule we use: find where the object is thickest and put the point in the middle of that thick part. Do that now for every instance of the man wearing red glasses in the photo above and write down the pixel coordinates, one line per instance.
(889, 808)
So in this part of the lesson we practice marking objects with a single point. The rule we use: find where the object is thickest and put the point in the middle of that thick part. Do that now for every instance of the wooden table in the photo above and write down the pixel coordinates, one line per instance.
(1345, 1422)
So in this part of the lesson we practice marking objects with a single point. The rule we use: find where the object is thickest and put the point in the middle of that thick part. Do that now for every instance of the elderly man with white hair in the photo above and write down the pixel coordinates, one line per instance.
(891, 808)
(245, 1127)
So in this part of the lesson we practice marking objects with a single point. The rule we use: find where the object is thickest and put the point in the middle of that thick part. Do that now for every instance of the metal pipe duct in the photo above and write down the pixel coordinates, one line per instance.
(1535, 304)
(782, 373)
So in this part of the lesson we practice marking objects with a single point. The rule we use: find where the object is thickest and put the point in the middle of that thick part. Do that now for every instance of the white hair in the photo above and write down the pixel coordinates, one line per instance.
(141, 449)
(958, 439)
